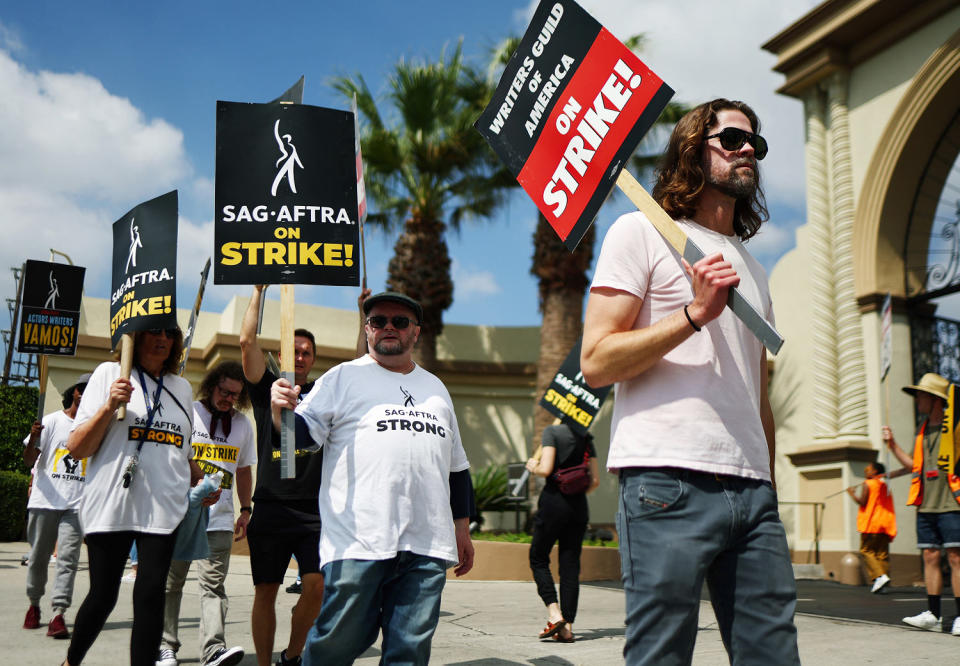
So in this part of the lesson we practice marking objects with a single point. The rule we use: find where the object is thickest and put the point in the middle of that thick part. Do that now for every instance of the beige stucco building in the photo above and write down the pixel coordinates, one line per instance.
(489, 371)
(880, 86)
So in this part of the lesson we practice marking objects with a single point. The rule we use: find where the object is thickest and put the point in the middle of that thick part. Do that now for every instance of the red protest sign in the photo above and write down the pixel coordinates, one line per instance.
(571, 106)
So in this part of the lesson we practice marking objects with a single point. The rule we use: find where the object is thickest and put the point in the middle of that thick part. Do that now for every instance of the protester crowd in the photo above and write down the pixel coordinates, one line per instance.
(378, 505)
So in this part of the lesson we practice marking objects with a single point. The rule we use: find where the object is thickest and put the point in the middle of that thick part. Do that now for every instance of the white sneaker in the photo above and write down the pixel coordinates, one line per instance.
(167, 657)
(925, 620)
(225, 657)
(956, 627)
(130, 578)
(879, 582)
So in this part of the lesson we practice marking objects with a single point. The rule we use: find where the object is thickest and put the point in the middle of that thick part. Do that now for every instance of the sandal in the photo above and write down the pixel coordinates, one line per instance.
(551, 629)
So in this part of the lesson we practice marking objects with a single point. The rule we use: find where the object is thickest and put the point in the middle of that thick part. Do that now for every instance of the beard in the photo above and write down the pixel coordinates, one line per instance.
(736, 185)
(390, 347)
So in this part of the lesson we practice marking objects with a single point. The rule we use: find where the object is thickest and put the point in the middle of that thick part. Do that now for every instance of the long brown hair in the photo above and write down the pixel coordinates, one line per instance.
(680, 177)
(230, 370)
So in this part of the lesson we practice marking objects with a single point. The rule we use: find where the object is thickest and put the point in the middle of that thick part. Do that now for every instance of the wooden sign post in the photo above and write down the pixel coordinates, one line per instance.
(126, 366)
(679, 241)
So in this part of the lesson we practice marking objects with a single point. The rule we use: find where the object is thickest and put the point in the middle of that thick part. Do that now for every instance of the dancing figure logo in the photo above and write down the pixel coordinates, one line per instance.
(288, 160)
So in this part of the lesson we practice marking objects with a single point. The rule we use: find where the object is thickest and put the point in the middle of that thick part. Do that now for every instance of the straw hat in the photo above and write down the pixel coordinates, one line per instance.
(931, 383)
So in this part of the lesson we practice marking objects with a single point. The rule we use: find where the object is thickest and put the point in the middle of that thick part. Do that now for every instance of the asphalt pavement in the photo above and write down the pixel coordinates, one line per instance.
(497, 623)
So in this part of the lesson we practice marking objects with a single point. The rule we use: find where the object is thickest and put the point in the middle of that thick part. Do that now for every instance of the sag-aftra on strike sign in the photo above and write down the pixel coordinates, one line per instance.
(286, 196)
(571, 106)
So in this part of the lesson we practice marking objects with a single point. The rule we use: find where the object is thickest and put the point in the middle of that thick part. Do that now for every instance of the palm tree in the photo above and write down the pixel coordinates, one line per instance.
(427, 165)
(562, 275)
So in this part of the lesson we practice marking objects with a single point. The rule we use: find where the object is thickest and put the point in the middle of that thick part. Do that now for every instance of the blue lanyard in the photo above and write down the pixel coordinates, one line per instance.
(132, 465)
(151, 410)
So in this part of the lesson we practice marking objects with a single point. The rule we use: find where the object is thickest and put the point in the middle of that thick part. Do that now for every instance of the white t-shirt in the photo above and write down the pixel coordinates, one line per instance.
(390, 441)
(156, 500)
(699, 406)
(57, 476)
(219, 454)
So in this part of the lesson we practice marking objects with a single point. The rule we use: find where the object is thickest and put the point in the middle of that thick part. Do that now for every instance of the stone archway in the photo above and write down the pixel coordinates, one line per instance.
(895, 171)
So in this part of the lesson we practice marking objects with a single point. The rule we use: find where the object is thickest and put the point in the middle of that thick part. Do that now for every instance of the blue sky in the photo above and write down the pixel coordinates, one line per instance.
(104, 105)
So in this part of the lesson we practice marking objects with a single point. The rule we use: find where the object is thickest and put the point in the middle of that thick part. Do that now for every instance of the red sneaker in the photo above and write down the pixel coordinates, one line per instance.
(32, 620)
(58, 628)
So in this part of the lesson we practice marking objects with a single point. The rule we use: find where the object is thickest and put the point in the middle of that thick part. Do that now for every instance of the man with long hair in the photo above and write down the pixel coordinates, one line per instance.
(222, 442)
(693, 434)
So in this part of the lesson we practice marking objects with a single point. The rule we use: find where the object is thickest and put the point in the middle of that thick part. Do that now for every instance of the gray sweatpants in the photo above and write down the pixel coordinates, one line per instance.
(211, 574)
(47, 528)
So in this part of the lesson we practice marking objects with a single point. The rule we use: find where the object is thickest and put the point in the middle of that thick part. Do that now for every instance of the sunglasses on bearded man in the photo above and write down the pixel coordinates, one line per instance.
(399, 322)
(733, 138)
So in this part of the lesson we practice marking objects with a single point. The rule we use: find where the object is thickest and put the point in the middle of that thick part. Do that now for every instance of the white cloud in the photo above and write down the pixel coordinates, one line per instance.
(470, 284)
(73, 159)
(66, 133)
(10, 39)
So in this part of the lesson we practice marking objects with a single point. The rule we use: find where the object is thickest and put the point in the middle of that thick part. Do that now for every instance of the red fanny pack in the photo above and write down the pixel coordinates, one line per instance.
(574, 480)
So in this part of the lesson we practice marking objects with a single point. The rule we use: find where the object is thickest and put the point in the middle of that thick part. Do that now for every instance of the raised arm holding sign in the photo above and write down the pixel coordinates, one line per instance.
(692, 420)
(286, 213)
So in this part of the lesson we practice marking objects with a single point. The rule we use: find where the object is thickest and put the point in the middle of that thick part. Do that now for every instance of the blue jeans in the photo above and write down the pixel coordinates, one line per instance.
(678, 527)
(938, 530)
(400, 595)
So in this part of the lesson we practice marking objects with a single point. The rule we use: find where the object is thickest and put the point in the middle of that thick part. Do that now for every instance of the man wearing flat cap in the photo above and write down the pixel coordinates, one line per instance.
(395, 497)
(935, 491)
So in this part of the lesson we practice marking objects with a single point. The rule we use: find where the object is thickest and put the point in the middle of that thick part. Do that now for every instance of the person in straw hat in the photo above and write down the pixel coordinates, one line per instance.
(935, 491)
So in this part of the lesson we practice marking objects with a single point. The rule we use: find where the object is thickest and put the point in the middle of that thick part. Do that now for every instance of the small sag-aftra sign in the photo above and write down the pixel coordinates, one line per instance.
(144, 294)
(286, 196)
(571, 107)
(569, 396)
(50, 314)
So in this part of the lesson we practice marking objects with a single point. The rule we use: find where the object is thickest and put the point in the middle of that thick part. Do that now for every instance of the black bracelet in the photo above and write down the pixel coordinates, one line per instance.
(246, 508)
(690, 319)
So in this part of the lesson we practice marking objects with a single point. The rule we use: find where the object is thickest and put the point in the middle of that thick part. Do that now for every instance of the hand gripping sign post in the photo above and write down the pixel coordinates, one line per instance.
(570, 109)
(144, 294)
(286, 209)
(50, 314)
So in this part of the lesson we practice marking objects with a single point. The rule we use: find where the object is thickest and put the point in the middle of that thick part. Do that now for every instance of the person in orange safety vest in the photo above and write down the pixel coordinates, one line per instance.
(935, 491)
(877, 524)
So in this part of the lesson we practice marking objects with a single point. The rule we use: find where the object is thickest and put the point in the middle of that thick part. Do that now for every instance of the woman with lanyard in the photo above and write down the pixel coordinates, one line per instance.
(562, 517)
(139, 473)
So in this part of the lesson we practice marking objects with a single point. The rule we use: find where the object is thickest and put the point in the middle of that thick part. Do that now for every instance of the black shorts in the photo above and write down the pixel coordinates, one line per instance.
(278, 531)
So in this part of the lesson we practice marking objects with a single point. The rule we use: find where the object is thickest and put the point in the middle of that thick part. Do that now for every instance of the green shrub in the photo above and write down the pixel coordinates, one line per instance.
(13, 504)
(520, 537)
(18, 410)
(490, 489)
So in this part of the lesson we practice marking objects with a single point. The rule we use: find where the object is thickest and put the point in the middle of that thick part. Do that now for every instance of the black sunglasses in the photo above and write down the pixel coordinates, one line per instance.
(399, 322)
(169, 332)
(733, 138)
